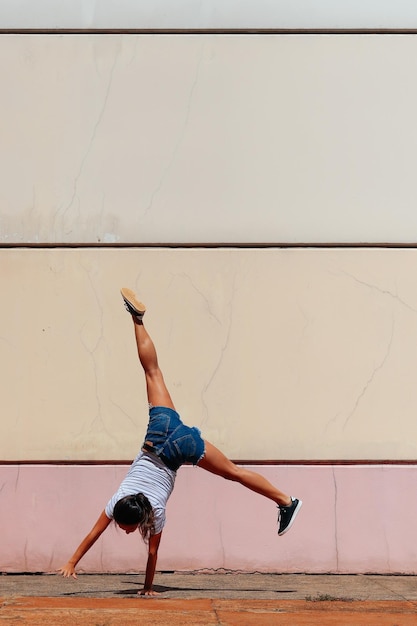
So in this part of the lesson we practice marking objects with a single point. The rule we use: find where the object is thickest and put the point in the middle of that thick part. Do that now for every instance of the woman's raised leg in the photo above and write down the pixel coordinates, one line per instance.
(158, 394)
(216, 462)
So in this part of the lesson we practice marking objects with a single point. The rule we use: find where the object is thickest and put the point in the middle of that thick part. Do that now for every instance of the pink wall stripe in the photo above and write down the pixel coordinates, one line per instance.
(355, 519)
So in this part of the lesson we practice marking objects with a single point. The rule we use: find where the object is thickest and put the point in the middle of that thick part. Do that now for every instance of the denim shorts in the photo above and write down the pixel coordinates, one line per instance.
(173, 442)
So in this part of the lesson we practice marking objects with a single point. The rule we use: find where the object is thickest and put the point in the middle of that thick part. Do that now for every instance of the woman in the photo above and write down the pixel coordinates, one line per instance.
(141, 499)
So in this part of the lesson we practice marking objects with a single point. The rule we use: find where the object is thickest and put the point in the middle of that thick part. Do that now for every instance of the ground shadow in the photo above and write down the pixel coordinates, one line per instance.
(162, 589)
(165, 589)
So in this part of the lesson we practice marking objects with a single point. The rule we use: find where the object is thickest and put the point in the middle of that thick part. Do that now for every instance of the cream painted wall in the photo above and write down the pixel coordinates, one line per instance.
(210, 139)
(274, 354)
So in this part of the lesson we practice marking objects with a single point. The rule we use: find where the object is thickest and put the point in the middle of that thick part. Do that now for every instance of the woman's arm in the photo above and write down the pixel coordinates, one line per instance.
(154, 542)
(98, 528)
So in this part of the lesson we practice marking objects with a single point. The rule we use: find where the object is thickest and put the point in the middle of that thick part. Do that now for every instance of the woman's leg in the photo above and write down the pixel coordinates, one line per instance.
(158, 394)
(216, 462)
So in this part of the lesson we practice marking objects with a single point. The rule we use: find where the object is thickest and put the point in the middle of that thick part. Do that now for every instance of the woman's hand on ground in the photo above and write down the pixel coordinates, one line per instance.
(67, 571)
(148, 593)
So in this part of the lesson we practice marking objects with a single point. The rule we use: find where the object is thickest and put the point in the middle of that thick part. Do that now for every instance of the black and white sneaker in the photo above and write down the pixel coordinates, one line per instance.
(132, 304)
(287, 515)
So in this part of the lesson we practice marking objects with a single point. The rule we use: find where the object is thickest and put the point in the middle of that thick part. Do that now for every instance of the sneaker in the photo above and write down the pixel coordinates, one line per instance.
(132, 304)
(287, 515)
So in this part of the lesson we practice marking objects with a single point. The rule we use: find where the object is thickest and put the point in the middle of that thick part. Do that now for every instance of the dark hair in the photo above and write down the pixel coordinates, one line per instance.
(135, 509)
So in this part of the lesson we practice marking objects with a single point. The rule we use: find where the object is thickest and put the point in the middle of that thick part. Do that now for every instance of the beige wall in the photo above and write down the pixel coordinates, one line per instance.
(205, 138)
(275, 354)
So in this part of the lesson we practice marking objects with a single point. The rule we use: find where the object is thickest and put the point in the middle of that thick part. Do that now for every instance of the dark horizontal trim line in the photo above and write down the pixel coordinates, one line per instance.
(255, 245)
(208, 31)
(320, 462)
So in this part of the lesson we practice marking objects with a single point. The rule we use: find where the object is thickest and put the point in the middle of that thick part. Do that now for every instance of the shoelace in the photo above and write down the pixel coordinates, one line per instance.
(131, 310)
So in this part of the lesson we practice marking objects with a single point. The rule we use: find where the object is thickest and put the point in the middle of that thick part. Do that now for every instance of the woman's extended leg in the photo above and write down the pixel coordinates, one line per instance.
(158, 394)
(216, 462)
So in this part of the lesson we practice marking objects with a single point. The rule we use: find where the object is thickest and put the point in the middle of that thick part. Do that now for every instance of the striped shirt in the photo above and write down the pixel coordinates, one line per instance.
(147, 475)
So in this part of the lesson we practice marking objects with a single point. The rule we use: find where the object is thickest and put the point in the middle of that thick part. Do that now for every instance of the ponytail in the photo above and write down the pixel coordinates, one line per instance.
(135, 509)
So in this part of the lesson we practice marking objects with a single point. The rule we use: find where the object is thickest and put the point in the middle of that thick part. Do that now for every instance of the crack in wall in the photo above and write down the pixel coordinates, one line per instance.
(25, 556)
(16, 482)
(97, 421)
(384, 530)
(221, 539)
(371, 377)
(384, 292)
(225, 342)
(335, 519)
(203, 296)
(50, 561)
(223, 349)
(125, 413)
(89, 146)
(180, 138)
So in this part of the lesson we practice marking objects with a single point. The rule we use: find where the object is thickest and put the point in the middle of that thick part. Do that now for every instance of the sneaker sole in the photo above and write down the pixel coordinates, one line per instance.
(129, 296)
(297, 509)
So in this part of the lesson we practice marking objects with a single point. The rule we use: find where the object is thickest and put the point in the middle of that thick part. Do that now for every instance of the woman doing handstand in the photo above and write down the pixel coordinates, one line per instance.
(141, 499)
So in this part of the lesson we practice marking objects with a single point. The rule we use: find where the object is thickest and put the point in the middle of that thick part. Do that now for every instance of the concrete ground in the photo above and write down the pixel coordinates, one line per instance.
(223, 586)
(209, 599)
